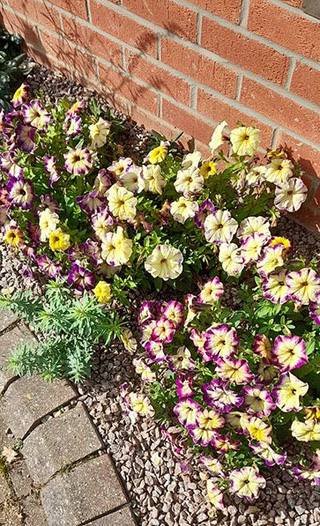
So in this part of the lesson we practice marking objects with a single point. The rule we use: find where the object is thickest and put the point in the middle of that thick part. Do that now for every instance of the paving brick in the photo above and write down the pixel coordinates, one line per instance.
(90, 490)
(122, 517)
(59, 442)
(29, 399)
(7, 317)
(4, 490)
(8, 341)
(33, 513)
(20, 479)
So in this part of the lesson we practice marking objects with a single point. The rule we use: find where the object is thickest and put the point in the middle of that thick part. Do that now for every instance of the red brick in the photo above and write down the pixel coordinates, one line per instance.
(15, 23)
(149, 122)
(281, 109)
(49, 62)
(124, 28)
(176, 18)
(41, 12)
(118, 84)
(186, 121)
(307, 157)
(244, 51)
(66, 53)
(76, 7)
(308, 217)
(316, 198)
(92, 41)
(158, 77)
(229, 9)
(199, 67)
(215, 109)
(306, 81)
(285, 28)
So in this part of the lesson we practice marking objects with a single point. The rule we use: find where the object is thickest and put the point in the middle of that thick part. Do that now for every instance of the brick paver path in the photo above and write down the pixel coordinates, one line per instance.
(62, 475)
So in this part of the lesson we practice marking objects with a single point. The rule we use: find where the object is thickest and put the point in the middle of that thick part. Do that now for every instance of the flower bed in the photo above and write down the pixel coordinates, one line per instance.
(77, 209)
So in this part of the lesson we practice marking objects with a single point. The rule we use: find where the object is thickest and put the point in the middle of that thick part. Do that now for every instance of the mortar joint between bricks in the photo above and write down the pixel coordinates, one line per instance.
(244, 13)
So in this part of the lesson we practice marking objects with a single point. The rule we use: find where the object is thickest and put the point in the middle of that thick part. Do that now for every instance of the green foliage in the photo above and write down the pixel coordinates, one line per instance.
(68, 329)
(12, 69)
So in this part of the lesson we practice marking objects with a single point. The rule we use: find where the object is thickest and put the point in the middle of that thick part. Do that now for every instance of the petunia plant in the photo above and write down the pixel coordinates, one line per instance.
(75, 207)
(239, 379)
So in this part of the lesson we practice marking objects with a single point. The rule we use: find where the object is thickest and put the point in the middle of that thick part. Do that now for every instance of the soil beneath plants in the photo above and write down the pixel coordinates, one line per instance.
(169, 491)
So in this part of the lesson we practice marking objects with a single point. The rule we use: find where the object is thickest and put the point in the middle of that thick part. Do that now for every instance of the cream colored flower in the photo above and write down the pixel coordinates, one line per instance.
(99, 132)
(217, 137)
(122, 202)
(231, 259)
(220, 227)
(116, 249)
(48, 222)
(191, 160)
(290, 195)
(154, 182)
(164, 262)
(254, 225)
(132, 180)
(245, 140)
(182, 209)
(189, 182)
(279, 171)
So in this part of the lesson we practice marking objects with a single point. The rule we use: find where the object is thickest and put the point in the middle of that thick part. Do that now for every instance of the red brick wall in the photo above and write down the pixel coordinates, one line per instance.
(188, 64)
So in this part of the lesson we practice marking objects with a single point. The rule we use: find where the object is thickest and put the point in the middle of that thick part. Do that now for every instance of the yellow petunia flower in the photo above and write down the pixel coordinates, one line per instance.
(158, 155)
(102, 291)
(59, 241)
(207, 169)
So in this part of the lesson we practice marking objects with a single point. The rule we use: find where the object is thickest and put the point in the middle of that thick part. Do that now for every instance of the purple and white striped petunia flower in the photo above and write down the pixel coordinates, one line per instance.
(163, 331)
(287, 392)
(25, 138)
(271, 259)
(48, 266)
(234, 371)
(146, 312)
(174, 312)
(187, 412)
(78, 161)
(155, 351)
(20, 95)
(310, 474)
(275, 288)
(246, 482)
(184, 387)
(289, 352)
(72, 125)
(35, 114)
(304, 286)
(262, 347)
(217, 394)
(290, 195)
(205, 209)
(9, 166)
(270, 457)
(258, 400)
(91, 203)
(20, 192)
(221, 342)
(50, 166)
(211, 291)
(224, 444)
(81, 278)
(314, 312)
(252, 246)
(213, 465)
